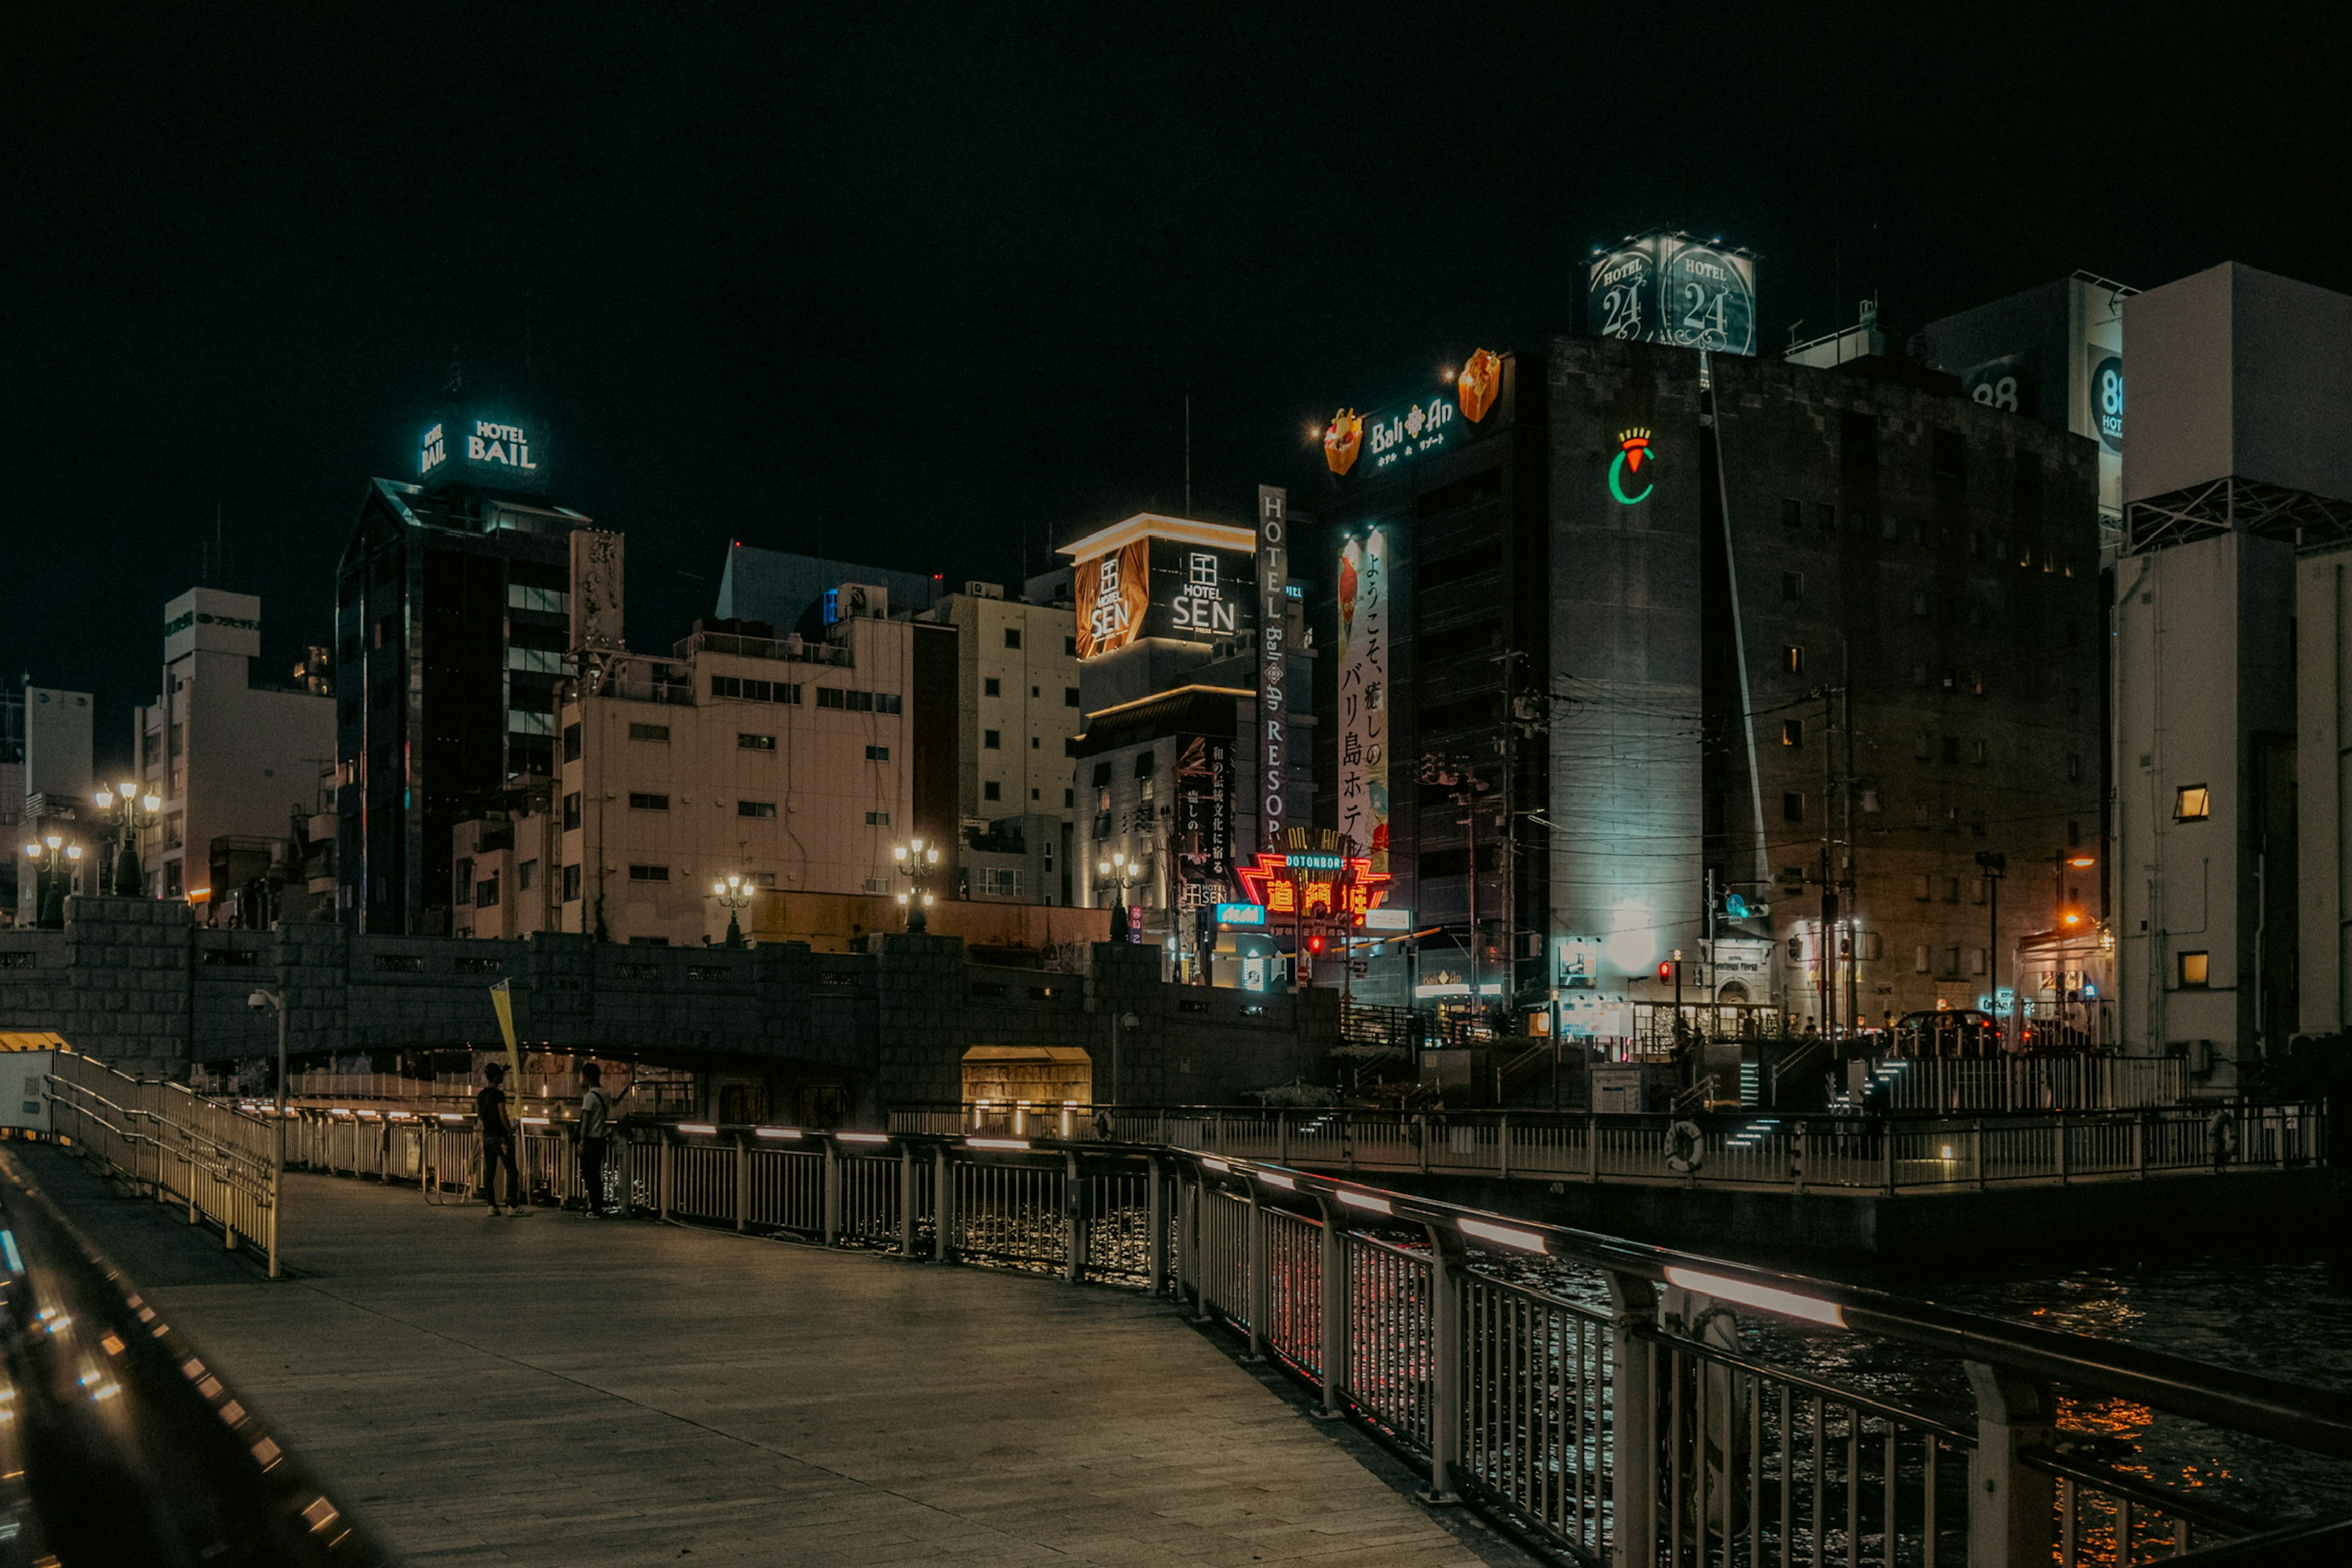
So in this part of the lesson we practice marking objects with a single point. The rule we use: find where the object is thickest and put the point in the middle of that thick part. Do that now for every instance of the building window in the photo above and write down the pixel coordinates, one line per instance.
(1793, 660)
(2191, 803)
(486, 893)
(2073, 767)
(1069, 799)
(1792, 515)
(527, 876)
(649, 873)
(999, 882)
(992, 790)
(572, 743)
(639, 801)
(1037, 742)
(1070, 648)
(1793, 807)
(1793, 586)
(994, 739)
(878, 753)
(1013, 637)
(878, 819)
(755, 742)
(1977, 752)
(1824, 517)
(726, 686)
(1951, 458)
(759, 808)
(658, 734)
(572, 884)
(831, 697)
(1920, 961)
(1792, 732)
(2195, 971)
(992, 687)
(1069, 697)
(572, 811)
(1919, 888)
(1951, 748)
(1070, 746)
(462, 877)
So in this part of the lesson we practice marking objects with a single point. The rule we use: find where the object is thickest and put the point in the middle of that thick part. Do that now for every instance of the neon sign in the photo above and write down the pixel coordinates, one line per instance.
(1632, 451)
(1314, 884)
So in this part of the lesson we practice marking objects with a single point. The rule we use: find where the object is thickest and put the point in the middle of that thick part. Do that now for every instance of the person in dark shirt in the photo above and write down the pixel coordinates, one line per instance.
(595, 1135)
(498, 1143)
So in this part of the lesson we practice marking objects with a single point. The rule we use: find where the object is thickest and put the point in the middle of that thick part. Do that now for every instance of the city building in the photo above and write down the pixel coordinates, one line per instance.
(1171, 768)
(234, 759)
(46, 785)
(452, 629)
(783, 761)
(2230, 621)
(797, 593)
(1642, 649)
(1017, 717)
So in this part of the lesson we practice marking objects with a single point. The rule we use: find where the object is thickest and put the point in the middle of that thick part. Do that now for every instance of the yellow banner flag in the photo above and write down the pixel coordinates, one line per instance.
(503, 1000)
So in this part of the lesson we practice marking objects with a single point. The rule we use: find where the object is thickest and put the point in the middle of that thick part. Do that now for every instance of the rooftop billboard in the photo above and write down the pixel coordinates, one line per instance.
(1661, 288)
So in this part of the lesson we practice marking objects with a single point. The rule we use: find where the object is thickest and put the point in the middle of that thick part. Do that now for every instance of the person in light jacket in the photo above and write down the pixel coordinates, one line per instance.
(595, 1135)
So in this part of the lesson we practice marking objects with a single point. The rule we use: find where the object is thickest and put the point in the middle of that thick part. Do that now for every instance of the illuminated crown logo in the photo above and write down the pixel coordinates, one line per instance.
(1637, 436)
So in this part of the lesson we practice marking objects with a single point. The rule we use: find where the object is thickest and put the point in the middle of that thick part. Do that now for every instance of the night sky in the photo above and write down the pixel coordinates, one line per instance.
(927, 287)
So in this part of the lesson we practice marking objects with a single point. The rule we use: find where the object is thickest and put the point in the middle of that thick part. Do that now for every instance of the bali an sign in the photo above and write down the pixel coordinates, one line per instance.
(1404, 432)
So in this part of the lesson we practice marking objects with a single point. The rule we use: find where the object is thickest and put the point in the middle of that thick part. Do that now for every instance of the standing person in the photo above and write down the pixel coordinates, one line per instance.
(498, 1141)
(595, 1135)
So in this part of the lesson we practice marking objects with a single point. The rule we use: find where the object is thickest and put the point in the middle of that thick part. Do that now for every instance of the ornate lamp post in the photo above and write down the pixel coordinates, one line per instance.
(734, 894)
(134, 814)
(916, 862)
(53, 862)
(1121, 873)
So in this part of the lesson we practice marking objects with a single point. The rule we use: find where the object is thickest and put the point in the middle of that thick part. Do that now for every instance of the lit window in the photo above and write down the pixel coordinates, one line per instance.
(755, 742)
(2192, 802)
(1794, 659)
(2196, 969)
(1792, 732)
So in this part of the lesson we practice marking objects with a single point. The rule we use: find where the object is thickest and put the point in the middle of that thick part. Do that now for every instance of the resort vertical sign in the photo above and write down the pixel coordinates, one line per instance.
(1273, 661)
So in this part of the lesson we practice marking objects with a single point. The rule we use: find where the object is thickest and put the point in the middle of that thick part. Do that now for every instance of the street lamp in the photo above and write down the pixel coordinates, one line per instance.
(1121, 873)
(53, 862)
(916, 862)
(735, 894)
(135, 813)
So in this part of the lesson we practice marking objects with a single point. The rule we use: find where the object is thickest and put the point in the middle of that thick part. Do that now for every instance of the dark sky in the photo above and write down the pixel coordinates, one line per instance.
(934, 281)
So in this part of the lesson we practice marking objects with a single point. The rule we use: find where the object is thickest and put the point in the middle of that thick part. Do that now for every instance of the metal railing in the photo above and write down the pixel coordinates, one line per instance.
(1797, 1153)
(1618, 1403)
(2030, 1083)
(219, 1162)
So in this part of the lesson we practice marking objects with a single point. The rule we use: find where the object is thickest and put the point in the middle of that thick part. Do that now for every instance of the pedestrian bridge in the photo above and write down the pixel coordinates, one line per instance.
(791, 1369)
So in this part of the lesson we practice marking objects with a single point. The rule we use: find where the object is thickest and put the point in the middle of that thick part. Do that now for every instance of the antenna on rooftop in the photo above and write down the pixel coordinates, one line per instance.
(218, 564)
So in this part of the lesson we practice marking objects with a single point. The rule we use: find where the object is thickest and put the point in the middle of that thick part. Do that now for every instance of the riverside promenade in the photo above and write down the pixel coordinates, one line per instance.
(552, 1390)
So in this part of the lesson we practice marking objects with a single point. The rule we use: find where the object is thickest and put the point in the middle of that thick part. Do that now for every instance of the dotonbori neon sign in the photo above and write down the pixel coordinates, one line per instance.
(1632, 451)
(1307, 885)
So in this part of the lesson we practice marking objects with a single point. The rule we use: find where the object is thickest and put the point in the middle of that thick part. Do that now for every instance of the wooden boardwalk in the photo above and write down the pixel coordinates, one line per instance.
(553, 1390)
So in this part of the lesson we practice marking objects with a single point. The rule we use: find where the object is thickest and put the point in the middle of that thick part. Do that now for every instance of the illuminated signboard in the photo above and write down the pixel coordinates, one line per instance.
(1383, 440)
(1241, 915)
(1307, 883)
(1275, 591)
(1154, 576)
(1204, 841)
(1363, 695)
(1629, 471)
(1662, 287)
(495, 453)
(1386, 919)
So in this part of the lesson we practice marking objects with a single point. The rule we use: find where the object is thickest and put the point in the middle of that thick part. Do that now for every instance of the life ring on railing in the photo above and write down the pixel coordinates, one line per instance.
(1683, 1154)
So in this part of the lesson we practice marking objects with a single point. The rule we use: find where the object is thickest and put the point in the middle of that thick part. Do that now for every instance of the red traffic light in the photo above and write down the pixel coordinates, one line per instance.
(1315, 943)
(1665, 971)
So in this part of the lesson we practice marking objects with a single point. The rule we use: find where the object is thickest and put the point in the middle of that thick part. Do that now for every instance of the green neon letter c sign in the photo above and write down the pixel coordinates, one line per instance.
(1617, 484)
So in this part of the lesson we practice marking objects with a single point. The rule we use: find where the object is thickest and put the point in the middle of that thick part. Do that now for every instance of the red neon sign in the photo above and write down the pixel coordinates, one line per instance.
(1349, 888)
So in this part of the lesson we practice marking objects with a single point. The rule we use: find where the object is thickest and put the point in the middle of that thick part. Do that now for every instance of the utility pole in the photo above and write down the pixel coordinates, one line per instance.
(1853, 897)
(1996, 866)
(1829, 867)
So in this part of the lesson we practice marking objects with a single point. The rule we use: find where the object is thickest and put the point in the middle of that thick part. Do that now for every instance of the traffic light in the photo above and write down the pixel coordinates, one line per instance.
(1735, 906)
(1315, 942)
(1665, 972)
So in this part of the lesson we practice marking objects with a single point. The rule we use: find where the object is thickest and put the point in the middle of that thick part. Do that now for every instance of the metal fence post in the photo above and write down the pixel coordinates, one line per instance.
(2139, 1145)
(1886, 1154)
(1444, 1362)
(829, 1199)
(1155, 1220)
(625, 1151)
(905, 1200)
(1803, 1150)
(669, 1166)
(1334, 1351)
(2012, 1506)
(2060, 1120)
(1503, 1141)
(1261, 1282)
(1979, 1139)
(1074, 1217)
(1192, 1194)
(742, 1180)
(1633, 1442)
(942, 1205)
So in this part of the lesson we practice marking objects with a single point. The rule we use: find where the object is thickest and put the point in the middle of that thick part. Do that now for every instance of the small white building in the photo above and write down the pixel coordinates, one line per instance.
(234, 759)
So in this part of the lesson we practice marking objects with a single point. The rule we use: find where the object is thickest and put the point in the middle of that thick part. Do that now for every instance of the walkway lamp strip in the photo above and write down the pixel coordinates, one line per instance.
(1363, 1201)
(997, 1143)
(863, 1137)
(704, 1128)
(1788, 1303)
(776, 1131)
(1502, 1235)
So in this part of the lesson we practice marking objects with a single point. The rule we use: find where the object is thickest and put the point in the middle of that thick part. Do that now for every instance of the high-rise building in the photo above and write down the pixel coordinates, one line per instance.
(2231, 615)
(234, 759)
(46, 788)
(452, 628)
(1623, 631)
